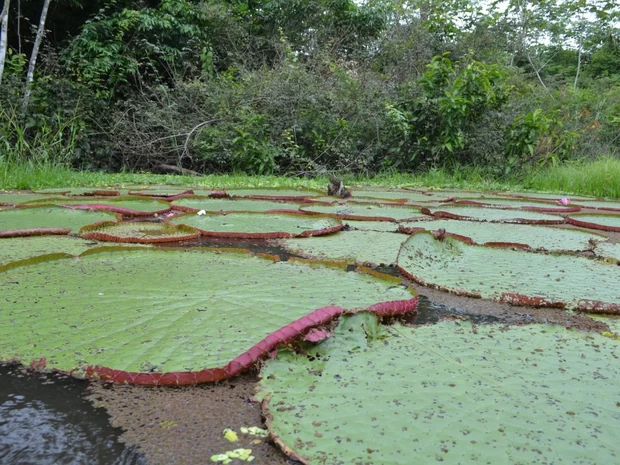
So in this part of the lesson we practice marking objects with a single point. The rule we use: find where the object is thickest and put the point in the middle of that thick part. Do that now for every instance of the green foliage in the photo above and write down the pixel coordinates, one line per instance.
(537, 136)
(451, 101)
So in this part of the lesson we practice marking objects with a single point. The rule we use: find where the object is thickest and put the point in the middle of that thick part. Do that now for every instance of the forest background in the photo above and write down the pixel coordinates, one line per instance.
(309, 87)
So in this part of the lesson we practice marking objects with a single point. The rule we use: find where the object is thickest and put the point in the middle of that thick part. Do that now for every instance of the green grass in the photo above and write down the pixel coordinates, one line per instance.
(599, 178)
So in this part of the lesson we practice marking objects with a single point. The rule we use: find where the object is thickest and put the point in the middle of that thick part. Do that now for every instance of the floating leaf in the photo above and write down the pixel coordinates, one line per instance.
(513, 276)
(608, 250)
(536, 237)
(274, 193)
(163, 191)
(29, 221)
(462, 212)
(449, 392)
(81, 191)
(365, 211)
(259, 225)
(523, 204)
(157, 316)
(601, 204)
(382, 226)
(15, 250)
(17, 198)
(143, 232)
(125, 205)
(605, 222)
(230, 205)
(353, 246)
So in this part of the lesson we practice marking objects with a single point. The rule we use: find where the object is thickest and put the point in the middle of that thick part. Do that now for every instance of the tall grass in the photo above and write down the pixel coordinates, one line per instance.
(600, 178)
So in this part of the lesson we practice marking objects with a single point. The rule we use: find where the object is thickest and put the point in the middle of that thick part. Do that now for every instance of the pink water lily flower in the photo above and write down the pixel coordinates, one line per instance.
(563, 201)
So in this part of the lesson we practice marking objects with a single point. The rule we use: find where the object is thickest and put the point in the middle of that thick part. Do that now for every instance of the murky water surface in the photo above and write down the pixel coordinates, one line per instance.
(44, 420)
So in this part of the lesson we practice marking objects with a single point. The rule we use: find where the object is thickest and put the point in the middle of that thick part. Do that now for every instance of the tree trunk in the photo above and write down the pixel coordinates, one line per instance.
(578, 62)
(33, 57)
(4, 24)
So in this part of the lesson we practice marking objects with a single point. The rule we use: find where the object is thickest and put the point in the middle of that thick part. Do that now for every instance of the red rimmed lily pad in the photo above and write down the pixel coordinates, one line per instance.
(125, 205)
(139, 232)
(171, 316)
(215, 205)
(519, 204)
(81, 191)
(50, 219)
(274, 193)
(18, 198)
(259, 225)
(514, 276)
(610, 205)
(502, 215)
(533, 236)
(602, 221)
(163, 191)
(365, 211)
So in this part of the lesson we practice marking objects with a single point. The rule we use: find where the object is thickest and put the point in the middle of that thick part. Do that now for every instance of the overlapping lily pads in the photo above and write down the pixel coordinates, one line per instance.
(536, 237)
(492, 214)
(82, 191)
(140, 232)
(157, 311)
(365, 211)
(449, 392)
(17, 198)
(514, 276)
(208, 204)
(259, 225)
(51, 219)
(363, 247)
(274, 193)
(605, 222)
(523, 204)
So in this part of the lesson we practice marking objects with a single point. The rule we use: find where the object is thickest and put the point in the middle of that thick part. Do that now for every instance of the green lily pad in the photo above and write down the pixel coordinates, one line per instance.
(544, 196)
(18, 198)
(141, 232)
(259, 225)
(274, 193)
(514, 276)
(125, 205)
(229, 205)
(403, 195)
(463, 212)
(363, 247)
(166, 310)
(81, 191)
(383, 226)
(163, 191)
(536, 237)
(18, 249)
(448, 392)
(29, 221)
(605, 222)
(601, 204)
(365, 211)
(525, 204)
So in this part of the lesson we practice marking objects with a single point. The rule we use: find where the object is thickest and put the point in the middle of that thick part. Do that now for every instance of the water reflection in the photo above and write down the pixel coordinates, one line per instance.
(46, 421)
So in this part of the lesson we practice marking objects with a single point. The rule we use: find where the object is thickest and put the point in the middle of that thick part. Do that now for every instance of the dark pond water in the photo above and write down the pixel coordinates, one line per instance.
(44, 420)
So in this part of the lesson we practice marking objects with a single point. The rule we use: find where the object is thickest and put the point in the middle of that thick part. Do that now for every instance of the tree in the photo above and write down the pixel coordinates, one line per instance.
(4, 24)
(34, 54)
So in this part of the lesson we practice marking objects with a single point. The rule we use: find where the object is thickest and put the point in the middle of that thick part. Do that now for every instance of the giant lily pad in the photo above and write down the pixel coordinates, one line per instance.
(464, 212)
(603, 222)
(18, 249)
(259, 225)
(29, 221)
(370, 247)
(227, 205)
(536, 237)
(81, 191)
(513, 276)
(449, 392)
(601, 204)
(125, 205)
(365, 211)
(523, 204)
(168, 313)
(608, 250)
(17, 198)
(141, 232)
(274, 193)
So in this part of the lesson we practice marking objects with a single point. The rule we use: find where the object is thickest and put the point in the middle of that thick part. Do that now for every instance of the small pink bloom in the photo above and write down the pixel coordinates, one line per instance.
(563, 201)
